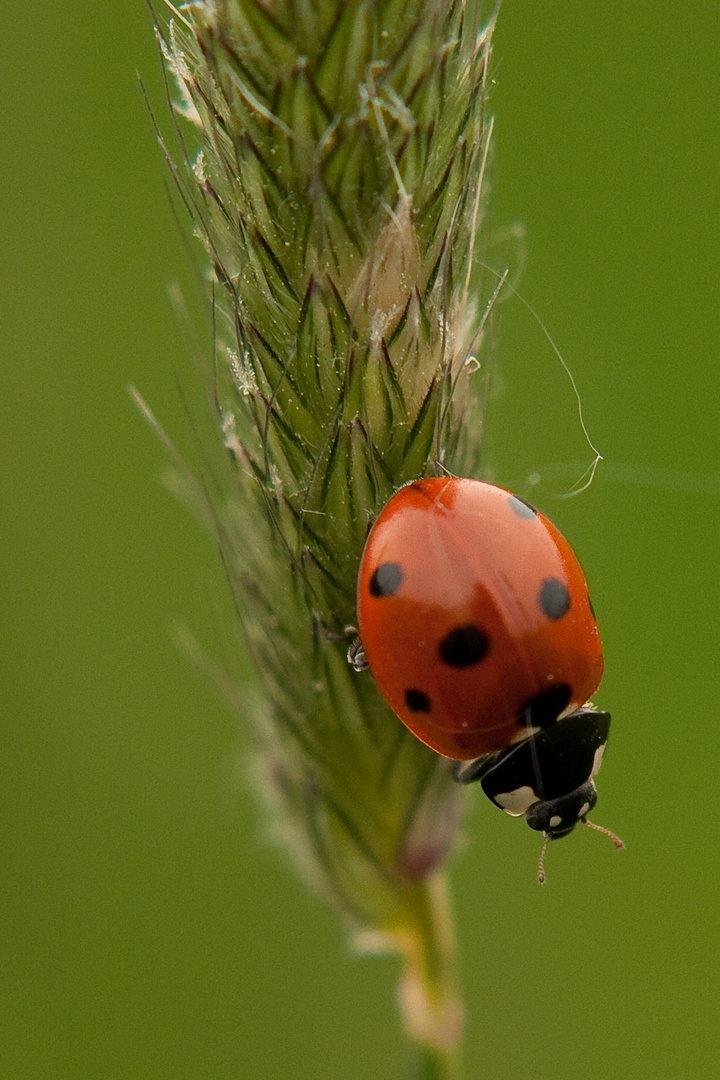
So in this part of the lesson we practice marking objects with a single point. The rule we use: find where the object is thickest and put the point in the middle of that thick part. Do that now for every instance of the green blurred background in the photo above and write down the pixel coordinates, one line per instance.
(149, 928)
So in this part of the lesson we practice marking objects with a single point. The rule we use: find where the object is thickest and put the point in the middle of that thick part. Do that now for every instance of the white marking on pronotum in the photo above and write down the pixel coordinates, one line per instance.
(597, 760)
(515, 803)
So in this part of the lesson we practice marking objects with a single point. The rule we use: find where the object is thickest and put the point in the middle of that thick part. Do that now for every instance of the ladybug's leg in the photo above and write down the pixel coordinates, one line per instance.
(356, 655)
(466, 772)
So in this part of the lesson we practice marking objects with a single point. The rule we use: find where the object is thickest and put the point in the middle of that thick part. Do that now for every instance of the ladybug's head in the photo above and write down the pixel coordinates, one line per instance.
(548, 776)
(558, 817)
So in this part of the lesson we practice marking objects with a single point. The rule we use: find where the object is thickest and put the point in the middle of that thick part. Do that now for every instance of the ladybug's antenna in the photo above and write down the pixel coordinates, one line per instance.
(599, 828)
(541, 864)
(583, 821)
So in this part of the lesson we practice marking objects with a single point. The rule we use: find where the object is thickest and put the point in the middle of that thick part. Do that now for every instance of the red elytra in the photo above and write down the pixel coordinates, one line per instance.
(474, 616)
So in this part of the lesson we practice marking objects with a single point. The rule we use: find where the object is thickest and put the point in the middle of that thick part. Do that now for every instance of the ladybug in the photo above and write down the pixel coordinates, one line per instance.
(475, 620)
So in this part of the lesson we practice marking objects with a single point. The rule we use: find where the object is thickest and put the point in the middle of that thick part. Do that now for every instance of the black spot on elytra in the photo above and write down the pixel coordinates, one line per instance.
(386, 579)
(417, 701)
(521, 508)
(464, 645)
(554, 598)
(543, 709)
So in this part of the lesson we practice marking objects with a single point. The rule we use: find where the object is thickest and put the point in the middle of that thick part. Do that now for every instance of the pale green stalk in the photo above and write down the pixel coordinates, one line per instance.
(332, 158)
